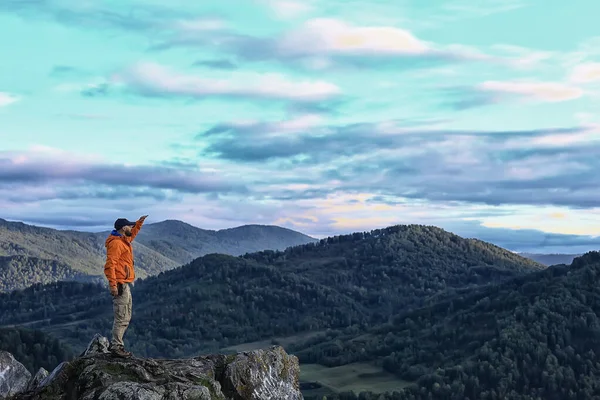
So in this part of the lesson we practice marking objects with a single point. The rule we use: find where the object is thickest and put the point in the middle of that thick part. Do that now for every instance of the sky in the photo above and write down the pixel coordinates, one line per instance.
(323, 116)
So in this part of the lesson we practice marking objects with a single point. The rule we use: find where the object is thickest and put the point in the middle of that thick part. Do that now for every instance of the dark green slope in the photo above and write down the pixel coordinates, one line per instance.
(213, 302)
(18, 272)
(401, 266)
(34, 349)
(534, 337)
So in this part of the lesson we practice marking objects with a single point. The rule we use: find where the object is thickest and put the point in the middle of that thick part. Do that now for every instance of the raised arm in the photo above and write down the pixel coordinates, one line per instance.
(136, 229)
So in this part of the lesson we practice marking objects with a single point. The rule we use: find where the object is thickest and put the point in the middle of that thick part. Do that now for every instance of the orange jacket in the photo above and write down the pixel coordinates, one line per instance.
(119, 256)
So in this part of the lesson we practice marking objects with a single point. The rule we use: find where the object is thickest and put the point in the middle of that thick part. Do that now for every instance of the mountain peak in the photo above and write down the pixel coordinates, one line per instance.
(173, 223)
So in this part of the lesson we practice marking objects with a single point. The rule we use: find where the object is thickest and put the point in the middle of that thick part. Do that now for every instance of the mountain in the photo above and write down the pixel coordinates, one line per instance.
(18, 272)
(159, 247)
(218, 300)
(399, 266)
(81, 251)
(183, 242)
(532, 337)
(551, 259)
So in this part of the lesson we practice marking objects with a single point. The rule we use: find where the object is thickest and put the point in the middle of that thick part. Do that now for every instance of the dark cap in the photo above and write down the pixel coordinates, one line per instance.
(121, 222)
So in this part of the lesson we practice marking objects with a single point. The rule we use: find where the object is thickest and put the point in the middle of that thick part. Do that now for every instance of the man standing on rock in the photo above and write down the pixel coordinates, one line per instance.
(120, 274)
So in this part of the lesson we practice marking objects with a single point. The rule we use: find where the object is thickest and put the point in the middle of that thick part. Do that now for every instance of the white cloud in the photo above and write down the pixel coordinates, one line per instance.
(288, 8)
(331, 36)
(7, 99)
(585, 73)
(544, 91)
(154, 79)
(482, 8)
(320, 38)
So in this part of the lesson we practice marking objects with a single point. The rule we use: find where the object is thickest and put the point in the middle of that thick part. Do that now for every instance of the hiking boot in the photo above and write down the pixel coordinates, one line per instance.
(119, 352)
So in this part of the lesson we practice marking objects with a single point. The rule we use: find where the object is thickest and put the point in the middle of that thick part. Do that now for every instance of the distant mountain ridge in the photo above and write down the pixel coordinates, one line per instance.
(159, 247)
(551, 259)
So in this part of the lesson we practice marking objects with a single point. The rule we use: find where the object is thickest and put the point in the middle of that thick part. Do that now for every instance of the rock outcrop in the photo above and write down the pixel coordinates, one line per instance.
(269, 374)
(14, 377)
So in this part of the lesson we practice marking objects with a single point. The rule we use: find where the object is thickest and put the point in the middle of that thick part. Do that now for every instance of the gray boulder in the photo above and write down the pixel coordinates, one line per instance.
(269, 374)
(98, 345)
(14, 377)
(37, 379)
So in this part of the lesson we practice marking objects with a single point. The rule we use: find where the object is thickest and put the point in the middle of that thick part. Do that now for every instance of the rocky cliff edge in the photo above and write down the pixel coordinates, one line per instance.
(269, 374)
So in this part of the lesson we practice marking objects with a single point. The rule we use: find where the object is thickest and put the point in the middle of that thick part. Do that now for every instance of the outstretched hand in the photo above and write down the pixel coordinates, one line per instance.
(142, 218)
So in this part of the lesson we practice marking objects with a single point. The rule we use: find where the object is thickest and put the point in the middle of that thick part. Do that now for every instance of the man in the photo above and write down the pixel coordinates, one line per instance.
(120, 274)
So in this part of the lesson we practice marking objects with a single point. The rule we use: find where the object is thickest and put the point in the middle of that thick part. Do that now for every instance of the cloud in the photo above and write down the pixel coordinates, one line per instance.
(40, 166)
(461, 98)
(95, 90)
(586, 73)
(542, 167)
(468, 9)
(216, 64)
(541, 91)
(7, 99)
(286, 9)
(22, 192)
(333, 37)
(67, 71)
(322, 43)
(256, 141)
(147, 18)
(154, 80)
(495, 92)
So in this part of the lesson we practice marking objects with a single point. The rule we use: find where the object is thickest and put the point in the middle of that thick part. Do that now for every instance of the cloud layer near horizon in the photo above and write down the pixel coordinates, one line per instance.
(317, 116)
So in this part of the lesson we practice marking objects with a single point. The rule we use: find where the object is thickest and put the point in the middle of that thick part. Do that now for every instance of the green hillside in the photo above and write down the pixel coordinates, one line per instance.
(401, 266)
(534, 337)
(18, 272)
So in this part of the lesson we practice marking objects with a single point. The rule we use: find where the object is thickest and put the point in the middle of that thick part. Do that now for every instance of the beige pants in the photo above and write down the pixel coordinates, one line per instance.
(122, 311)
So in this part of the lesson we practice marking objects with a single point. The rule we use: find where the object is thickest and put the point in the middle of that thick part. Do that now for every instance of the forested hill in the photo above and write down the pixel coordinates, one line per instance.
(400, 245)
(16, 270)
(534, 337)
(220, 300)
(403, 265)
(159, 247)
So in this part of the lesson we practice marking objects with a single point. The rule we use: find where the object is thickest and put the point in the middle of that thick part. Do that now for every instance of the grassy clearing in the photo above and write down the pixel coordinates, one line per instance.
(357, 377)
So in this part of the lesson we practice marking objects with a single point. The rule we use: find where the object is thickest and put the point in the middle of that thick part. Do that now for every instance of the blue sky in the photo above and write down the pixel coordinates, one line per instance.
(326, 117)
